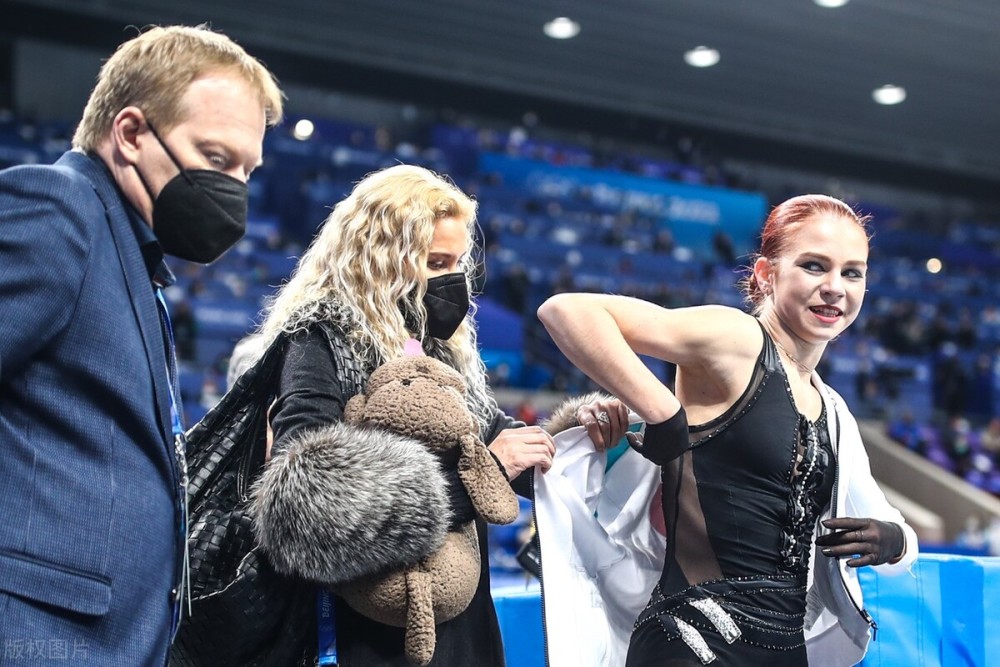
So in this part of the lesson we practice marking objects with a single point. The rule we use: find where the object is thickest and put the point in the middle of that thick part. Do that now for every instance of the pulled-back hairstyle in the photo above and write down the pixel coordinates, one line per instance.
(154, 70)
(783, 222)
(365, 267)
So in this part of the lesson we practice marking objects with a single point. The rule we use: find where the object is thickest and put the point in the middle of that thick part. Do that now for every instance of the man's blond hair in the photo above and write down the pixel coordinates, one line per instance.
(154, 70)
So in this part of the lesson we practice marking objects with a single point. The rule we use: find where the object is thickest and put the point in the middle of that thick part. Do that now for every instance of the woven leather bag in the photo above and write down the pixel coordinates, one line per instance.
(243, 613)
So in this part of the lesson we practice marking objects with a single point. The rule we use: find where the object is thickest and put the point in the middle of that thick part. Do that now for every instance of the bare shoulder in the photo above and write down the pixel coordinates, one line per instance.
(721, 365)
(729, 328)
(696, 335)
(719, 315)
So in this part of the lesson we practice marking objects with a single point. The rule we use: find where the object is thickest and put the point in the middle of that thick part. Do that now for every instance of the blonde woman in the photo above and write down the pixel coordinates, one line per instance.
(390, 266)
(772, 457)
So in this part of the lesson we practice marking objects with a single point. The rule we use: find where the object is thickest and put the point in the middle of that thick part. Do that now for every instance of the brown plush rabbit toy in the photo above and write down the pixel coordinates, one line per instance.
(424, 399)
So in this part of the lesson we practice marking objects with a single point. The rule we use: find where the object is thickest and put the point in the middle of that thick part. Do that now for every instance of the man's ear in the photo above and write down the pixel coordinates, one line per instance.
(126, 129)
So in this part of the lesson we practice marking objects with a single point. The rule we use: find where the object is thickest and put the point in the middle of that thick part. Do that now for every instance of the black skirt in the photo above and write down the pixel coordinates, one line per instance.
(746, 621)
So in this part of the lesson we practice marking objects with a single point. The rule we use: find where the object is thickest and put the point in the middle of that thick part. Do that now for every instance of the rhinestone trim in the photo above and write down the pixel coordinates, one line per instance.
(722, 621)
(695, 641)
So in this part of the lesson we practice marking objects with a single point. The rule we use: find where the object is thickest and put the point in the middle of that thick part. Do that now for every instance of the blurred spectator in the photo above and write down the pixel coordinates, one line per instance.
(499, 375)
(957, 438)
(979, 405)
(905, 430)
(564, 282)
(245, 353)
(993, 536)
(990, 437)
(527, 413)
(211, 392)
(722, 244)
(965, 331)
(515, 285)
(939, 331)
(972, 535)
(864, 379)
(950, 382)
(664, 241)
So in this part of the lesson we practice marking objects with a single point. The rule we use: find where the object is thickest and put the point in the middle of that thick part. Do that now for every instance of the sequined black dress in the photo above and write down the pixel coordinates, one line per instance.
(740, 504)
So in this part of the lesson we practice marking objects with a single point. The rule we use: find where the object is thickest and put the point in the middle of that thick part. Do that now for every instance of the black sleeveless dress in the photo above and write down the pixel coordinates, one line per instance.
(740, 505)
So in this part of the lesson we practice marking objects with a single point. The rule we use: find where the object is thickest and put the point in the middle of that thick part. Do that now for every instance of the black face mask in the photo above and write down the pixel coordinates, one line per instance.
(200, 213)
(447, 304)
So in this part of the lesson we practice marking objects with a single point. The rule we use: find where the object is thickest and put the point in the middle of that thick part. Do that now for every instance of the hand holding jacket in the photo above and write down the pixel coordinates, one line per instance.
(606, 421)
(862, 541)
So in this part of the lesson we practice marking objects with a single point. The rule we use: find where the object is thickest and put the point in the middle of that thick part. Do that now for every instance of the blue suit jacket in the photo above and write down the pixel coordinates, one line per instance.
(88, 512)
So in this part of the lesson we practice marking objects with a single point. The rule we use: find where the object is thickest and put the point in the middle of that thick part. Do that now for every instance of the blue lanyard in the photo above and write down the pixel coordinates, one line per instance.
(180, 451)
(326, 624)
(172, 375)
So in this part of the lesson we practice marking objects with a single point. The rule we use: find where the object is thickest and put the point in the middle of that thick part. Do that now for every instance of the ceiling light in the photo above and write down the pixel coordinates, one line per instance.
(562, 28)
(303, 129)
(889, 94)
(701, 56)
(934, 265)
(833, 4)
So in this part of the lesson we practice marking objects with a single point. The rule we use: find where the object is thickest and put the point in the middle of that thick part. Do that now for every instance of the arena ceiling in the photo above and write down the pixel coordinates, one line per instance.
(793, 76)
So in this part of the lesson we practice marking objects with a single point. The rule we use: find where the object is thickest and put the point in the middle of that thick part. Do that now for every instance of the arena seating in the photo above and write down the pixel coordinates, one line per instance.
(556, 216)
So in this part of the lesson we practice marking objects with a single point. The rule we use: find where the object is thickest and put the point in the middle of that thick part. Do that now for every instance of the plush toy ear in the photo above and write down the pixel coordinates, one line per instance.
(449, 377)
(355, 409)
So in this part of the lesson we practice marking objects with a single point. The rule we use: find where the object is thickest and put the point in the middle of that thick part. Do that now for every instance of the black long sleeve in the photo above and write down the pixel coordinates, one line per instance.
(523, 484)
(310, 393)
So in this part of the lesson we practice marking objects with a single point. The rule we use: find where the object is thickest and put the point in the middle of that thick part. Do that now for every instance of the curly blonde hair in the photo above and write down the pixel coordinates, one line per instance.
(365, 269)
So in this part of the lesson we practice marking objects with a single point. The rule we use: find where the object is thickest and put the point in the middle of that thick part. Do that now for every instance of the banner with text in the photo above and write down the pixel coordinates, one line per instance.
(694, 213)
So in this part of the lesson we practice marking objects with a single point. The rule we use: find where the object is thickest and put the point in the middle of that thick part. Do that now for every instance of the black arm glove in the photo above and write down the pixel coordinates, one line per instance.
(462, 511)
(862, 541)
(663, 442)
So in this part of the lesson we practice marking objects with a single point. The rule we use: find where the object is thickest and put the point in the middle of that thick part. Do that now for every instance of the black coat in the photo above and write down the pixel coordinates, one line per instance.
(312, 395)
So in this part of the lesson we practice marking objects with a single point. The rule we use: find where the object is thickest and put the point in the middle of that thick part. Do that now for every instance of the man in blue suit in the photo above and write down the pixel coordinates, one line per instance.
(91, 464)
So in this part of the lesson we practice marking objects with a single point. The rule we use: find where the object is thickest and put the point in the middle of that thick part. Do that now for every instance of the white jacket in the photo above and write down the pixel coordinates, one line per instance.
(836, 632)
(601, 554)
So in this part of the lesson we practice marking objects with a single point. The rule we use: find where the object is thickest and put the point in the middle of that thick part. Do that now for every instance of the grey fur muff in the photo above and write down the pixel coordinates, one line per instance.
(346, 501)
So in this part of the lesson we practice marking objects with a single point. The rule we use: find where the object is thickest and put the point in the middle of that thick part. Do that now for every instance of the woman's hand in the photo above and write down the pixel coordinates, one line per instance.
(518, 449)
(606, 422)
(862, 541)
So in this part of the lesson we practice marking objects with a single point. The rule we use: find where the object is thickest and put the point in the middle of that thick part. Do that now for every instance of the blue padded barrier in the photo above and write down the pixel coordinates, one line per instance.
(908, 612)
(520, 618)
(947, 614)
(991, 611)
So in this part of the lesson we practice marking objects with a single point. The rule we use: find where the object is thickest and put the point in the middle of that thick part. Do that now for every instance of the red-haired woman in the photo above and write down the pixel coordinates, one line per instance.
(772, 456)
